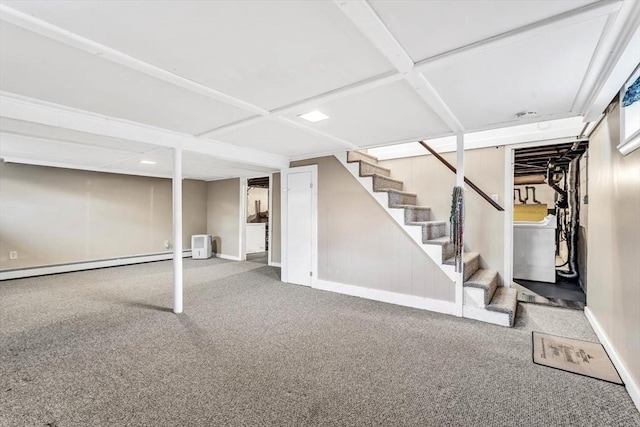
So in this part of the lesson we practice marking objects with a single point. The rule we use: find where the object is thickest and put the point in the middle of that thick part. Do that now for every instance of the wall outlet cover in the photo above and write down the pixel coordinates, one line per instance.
(13, 254)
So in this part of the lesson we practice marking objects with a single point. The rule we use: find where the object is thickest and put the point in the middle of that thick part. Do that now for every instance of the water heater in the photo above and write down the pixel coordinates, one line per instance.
(200, 246)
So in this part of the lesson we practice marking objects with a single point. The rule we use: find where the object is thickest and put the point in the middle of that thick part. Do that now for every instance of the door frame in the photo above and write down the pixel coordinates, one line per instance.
(509, 156)
(243, 215)
(284, 207)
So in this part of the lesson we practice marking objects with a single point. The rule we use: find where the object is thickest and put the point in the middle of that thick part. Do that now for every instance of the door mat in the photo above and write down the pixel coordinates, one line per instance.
(580, 357)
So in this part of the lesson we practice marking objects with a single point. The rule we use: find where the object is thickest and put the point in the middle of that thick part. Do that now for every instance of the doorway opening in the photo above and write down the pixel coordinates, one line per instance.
(257, 220)
(550, 224)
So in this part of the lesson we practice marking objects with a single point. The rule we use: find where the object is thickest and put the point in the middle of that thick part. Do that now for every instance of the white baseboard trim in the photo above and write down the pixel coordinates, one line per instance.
(439, 306)
(275, 264)
(229, 257)
(484, 315)
(632, 387)
(86, 265)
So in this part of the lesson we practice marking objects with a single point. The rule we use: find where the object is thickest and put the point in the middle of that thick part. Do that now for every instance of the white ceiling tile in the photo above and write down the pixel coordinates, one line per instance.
(542, 73)
(41, 68)
(270, 53)
(388, 113)
(50, 132)
(279, 138)
(428, 28)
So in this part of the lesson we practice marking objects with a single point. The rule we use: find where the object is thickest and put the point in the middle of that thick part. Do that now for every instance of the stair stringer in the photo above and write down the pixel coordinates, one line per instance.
(474, 305)
(434, 252)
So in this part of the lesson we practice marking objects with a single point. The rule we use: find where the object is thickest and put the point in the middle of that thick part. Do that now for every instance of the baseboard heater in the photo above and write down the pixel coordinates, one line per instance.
(18, 273)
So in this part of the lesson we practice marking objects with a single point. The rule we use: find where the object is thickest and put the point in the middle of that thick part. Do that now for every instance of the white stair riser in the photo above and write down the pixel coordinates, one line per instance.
(474, 297)
(477, 313)
(434, 251)
(450, 271)
(397, 214)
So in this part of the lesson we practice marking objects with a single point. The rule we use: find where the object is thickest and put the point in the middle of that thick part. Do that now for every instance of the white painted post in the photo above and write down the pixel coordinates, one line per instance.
(460, 183)
(177, 230)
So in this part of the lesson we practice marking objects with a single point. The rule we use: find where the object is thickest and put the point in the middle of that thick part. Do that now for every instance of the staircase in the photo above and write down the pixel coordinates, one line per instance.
(484, 298)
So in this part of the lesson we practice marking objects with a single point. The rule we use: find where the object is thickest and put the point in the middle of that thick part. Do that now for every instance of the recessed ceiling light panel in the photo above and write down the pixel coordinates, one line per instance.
(147, 162)
(313, 116)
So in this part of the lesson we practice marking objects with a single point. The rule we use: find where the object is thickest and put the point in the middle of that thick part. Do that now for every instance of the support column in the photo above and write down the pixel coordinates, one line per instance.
(177, 230)
(460, 183)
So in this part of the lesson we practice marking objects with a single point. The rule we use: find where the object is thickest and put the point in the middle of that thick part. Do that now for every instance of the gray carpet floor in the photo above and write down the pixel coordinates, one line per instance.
(102, 348)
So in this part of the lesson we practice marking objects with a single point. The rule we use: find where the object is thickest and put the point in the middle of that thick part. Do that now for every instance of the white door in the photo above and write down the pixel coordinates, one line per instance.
(300, 228)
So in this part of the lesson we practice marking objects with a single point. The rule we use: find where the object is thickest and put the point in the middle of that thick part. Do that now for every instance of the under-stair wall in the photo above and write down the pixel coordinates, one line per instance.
(360, 245)
(432, 182)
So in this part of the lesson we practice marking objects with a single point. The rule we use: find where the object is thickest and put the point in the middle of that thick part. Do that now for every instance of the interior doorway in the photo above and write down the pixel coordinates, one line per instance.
(257, 219)
(300, 225)
(549, 223)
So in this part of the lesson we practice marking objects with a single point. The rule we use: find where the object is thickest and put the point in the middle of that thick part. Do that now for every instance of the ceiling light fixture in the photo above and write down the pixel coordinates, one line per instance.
(313, 116)
(147, 162)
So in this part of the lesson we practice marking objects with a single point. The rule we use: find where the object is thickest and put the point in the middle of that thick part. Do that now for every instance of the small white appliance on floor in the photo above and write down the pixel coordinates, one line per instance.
(200, 246)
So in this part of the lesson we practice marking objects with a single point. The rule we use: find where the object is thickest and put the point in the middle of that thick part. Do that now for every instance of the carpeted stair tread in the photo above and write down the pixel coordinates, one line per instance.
(404, 193)
(356, 156)
(468, 256)
(484, 279)
(505, 300)
(430, 229)
(442, 241)
(384, 183)
(411, 206)
(417, 213)
(369, 169)
(401, 198)
(427, 223)
(471, 264)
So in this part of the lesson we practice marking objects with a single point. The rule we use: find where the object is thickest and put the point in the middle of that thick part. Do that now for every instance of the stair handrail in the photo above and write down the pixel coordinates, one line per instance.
(466, 180)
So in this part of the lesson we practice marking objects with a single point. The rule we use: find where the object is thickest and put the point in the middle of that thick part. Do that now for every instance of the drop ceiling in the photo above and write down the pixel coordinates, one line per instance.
(102, 85)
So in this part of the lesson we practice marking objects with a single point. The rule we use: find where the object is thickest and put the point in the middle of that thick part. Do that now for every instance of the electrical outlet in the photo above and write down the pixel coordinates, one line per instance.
(166, 244)
(13, 254)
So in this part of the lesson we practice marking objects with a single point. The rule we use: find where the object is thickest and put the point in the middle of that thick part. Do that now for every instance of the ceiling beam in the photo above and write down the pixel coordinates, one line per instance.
(20, 139)
(612, 63)
(371, 26)
(27, 109)
(317, 132)
(562, 20)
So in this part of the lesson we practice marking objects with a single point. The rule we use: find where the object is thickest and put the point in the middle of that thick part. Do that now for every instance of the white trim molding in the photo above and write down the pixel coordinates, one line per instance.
(632, 387)
(19, 273)
(423, 303)
(229, 257)
(23, 108)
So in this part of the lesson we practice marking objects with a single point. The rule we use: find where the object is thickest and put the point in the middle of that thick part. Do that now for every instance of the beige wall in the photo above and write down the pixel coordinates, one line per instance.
(256, 193)
(275, 220)
(613, 248)
(360, 244)
(55, 215)
(544, 194)
(223, 215)
(433, 183)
